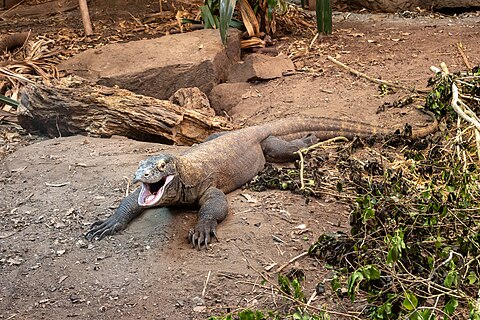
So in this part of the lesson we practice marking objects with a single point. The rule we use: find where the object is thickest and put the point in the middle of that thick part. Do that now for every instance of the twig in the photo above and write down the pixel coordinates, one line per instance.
(206, 282)
(292, 260)
(464, 57)
(302, 167)
(305, 150)
(377, 81)
(313, 40)
(287, 296)
(321, 143)
(273, 286)
(56, 184)
(459, 111)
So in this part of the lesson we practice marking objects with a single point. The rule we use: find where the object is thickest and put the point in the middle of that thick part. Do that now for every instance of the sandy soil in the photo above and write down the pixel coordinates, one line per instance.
(52, 190)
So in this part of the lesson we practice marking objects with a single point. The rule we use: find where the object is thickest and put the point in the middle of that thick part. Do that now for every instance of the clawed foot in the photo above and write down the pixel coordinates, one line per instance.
(102, 228)
(203, 233)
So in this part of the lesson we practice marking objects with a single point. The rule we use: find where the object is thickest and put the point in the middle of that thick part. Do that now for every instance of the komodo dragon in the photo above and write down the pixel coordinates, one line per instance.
(204, 173)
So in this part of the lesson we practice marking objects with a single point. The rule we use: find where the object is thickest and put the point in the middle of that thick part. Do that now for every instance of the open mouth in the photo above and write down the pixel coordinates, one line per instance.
(151, 193)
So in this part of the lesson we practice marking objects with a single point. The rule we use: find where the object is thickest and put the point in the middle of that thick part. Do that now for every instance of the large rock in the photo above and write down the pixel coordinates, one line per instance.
(258, 67)
(402, 5)
(225, 96)
(159, 67)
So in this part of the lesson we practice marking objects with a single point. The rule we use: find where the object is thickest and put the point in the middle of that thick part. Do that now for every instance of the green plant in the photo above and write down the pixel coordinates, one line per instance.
(253, 15)
(414, 247)
(324, 16)
(8, 101)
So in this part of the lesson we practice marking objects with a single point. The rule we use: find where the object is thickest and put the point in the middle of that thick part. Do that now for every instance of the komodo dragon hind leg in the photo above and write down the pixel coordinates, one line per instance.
(278, 150)
(126, 211)
(213, 209)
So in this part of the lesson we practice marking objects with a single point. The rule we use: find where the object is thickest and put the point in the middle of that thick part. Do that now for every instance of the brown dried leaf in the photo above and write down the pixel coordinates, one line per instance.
(249, 19)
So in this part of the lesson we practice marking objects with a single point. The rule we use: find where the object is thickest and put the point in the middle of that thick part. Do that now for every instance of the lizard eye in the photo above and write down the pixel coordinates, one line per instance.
(161, 164)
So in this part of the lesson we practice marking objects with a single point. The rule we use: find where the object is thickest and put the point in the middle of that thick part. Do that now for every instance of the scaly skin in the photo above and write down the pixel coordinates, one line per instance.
(203, 174)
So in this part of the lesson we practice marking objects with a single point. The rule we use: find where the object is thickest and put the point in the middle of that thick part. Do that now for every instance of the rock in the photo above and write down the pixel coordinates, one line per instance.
(200, 309)
(198, 301)
(226, 96)
(159, 67)
(260, 67)
(193, 98)
(402, 5)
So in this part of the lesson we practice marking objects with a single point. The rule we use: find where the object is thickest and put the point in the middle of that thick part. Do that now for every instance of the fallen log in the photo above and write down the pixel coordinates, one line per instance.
(75, 106)
(12, 41)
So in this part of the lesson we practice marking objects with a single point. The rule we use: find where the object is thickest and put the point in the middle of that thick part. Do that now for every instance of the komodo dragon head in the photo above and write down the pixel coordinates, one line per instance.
(155, 175)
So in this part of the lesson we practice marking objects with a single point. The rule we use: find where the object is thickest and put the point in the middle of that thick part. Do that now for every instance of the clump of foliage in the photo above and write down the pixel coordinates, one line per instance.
(290, 287)
(256, 15)
(414, 247)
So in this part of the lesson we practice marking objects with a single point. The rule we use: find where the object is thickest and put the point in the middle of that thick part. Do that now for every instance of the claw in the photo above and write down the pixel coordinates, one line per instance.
(202, 234)
(207, 239)
(193, 241)
(100, 229)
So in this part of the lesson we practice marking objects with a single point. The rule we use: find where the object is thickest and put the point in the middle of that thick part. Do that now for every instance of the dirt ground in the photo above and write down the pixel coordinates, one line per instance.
(52, 190)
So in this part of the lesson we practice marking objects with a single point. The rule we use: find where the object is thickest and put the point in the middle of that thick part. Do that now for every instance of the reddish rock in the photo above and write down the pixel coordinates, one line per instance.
(260, 67)
(226, 96)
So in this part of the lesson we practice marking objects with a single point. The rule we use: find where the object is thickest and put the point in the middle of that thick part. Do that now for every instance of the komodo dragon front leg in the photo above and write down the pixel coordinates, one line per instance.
(213, 209)
(126, 212)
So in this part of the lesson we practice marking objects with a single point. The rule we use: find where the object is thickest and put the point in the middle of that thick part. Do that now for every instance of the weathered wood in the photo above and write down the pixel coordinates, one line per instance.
(75, 106)
(13, 41)
(87, 23)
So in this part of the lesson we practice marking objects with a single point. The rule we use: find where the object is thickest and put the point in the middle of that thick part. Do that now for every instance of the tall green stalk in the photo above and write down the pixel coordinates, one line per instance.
(324, 16)
(226, 12)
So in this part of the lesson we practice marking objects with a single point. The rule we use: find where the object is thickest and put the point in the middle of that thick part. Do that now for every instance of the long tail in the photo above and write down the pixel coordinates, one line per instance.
(326, 128)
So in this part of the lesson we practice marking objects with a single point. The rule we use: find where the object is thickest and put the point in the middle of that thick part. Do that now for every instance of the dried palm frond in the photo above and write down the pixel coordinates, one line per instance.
(249, 19)
(35, 62)
(253, 42)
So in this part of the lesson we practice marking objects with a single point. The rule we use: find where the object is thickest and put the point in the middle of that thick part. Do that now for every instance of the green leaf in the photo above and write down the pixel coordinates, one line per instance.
(422, 315)
(226, 12)
(248, 314)
(335, 283)
(298, 292)
(451, 279)
(371, 273)
(353, 282)
(385, 311)
(396, 246)
(8, 101)
(450, 306)
(368, 213)
(207, 17)
(284, 284)
(473, 311)
(472, 277)
(410, 302)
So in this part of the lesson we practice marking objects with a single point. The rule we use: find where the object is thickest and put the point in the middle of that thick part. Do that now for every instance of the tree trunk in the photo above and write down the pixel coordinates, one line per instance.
(87, 23)
(74, 106)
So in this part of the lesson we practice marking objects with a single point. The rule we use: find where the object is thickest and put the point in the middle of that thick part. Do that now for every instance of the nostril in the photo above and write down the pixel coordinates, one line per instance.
(146, 174)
